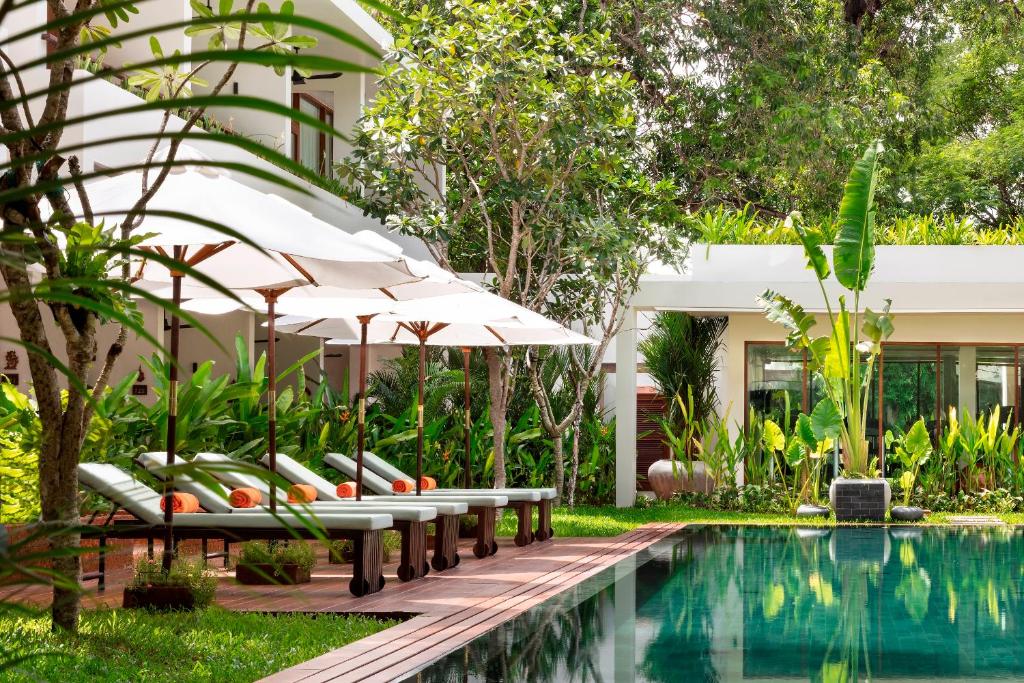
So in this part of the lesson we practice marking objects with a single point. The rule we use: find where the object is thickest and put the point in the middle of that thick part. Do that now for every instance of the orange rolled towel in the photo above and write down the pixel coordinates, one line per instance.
(347, 489)
(244, 498)
(181, 502)
(301, 494)
(427, 483)
(403, 485)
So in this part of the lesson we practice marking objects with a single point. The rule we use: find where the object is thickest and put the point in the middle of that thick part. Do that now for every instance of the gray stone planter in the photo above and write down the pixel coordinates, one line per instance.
(808, 510)
(860, 499)
(906, 513)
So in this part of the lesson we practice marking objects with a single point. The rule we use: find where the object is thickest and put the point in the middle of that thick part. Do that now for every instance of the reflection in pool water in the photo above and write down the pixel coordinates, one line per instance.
(737, 603)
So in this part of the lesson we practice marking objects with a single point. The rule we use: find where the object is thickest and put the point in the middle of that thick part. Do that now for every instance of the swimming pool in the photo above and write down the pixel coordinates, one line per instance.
(729, 603)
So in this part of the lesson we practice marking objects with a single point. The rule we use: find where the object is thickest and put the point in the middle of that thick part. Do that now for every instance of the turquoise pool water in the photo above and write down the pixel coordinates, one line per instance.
(723, 603)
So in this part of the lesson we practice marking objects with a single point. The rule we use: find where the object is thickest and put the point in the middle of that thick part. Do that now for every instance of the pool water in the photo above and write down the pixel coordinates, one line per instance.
(727, 603)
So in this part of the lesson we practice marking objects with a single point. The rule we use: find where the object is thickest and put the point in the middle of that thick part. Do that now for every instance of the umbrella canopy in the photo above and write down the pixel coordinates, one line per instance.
(387, 329)
(266, 244)
(294, 247)
(463, 320)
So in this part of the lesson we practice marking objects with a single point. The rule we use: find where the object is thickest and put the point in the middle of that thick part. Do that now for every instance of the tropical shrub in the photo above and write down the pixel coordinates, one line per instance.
(681, 354)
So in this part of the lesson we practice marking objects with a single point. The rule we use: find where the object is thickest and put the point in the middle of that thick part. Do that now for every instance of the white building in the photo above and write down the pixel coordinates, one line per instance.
(959, 318)
(336, 100)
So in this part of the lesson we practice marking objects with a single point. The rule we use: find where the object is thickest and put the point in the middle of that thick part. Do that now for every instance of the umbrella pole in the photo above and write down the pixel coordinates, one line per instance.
(364, 320)
(419, 413)
(271, 300)
(468, 474)
(172, 415)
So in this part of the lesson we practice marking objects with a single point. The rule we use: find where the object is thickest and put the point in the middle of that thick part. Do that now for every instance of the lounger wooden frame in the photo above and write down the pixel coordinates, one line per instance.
(368, 545)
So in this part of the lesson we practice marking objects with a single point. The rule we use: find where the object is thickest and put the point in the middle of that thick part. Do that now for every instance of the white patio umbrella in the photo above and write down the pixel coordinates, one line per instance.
(289, 248)
(462, 320)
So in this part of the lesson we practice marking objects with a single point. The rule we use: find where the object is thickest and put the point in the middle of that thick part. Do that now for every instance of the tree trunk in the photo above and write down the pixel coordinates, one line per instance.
(559, 456)
(496, 381)
(574, 470)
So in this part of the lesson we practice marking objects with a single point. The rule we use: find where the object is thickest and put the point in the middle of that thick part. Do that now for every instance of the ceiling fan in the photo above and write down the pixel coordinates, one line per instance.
(299, 79)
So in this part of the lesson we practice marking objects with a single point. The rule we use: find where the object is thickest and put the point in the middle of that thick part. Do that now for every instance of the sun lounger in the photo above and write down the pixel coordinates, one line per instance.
(409, 520)
(483, 504)
(446, 524)
(521, 499)
(126, 492)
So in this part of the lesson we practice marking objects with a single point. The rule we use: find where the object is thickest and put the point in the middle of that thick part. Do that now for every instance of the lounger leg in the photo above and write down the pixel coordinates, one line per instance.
(103, 564)
(368, 563)
(205, 550)
(485, 544)
(414, 551)
(446, 542)
(524, 534)
(149, 547)
(544, 529)
(227, 553)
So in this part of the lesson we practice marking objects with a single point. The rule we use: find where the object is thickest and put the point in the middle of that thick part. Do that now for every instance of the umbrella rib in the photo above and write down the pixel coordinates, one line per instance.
(306, 327)
(302, 271)
(498, 336)
(208, 250)
(388, 294)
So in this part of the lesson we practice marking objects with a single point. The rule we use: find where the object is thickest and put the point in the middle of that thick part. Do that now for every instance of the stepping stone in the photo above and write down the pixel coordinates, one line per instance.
(976, 520)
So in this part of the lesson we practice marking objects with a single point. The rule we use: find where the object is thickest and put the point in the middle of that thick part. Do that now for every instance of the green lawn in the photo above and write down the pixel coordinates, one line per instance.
(207, 645)
(611, 521)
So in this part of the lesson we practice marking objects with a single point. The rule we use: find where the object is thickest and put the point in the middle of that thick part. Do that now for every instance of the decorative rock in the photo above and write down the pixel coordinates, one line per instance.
(860, 499)
(668, 476)
(812, 511)
(906, 514)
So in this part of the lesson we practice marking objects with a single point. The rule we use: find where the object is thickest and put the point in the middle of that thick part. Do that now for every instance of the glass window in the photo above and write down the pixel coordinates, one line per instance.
(775, 375)
(995, 379)
(908, 378)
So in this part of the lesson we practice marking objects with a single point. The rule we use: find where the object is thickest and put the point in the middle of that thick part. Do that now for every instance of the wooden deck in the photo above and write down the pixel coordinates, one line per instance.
(450, 608)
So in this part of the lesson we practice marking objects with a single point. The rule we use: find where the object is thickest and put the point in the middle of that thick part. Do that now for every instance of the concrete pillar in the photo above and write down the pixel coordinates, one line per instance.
(968, 389)
(625, 412)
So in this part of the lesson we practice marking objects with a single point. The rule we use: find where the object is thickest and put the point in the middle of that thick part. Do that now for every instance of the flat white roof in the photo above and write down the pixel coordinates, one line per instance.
(918, 279)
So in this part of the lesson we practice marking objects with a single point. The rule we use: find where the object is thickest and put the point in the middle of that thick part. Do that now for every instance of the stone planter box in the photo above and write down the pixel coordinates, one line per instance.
(269, 574)
(860, 499)
(159, 598)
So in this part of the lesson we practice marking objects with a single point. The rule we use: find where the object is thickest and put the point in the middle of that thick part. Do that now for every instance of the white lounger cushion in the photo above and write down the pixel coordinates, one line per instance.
(212, 501)
(392, 473)
(375, 482)
(297, 473)
(143, 502)
(406, 513)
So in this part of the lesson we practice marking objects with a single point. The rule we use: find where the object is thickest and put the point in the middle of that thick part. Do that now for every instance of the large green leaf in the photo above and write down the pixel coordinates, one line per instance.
(816, 259)
(783, 310)
(854, 255)
(825, 420)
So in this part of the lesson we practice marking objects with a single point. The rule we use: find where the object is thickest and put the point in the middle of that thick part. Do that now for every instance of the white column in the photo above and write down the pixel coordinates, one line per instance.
(625, 412)
(625, 620)
(250, 338)
(968, 381)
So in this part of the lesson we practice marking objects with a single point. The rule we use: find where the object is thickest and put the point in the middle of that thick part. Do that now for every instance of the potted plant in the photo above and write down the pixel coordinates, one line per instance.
(913, 449)
(186, 586)
(263, 563)
(679, 472)
(845, 359)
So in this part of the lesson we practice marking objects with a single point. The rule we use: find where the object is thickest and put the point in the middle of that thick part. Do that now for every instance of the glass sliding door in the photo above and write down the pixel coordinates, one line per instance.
(775, 379)
(310, 147)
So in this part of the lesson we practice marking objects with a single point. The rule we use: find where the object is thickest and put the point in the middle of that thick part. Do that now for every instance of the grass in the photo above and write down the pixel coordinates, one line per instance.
(207, 645)
(612, 521)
